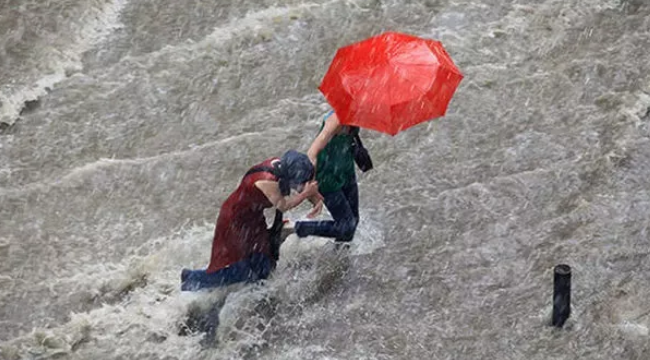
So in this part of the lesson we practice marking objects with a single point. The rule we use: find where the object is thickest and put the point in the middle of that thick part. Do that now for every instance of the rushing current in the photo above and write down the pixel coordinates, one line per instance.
(126, 123)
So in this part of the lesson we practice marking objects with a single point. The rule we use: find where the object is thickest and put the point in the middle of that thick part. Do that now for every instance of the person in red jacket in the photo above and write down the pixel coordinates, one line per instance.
(243, 249)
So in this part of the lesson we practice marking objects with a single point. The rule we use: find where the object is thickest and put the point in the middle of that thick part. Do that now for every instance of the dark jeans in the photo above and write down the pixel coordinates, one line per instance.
(257, 266)
(344, 207)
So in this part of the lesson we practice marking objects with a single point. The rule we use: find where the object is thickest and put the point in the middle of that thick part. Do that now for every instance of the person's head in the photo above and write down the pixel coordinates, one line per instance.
(295, 171)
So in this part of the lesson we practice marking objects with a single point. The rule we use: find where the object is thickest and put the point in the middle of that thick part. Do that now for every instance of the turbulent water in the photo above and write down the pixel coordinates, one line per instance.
(126, 123)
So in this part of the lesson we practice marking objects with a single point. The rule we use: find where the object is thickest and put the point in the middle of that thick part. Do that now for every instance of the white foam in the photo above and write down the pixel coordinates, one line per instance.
(634, 329)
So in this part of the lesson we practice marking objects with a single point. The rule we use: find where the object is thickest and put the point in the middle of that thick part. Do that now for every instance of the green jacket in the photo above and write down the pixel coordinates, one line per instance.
(335, 163)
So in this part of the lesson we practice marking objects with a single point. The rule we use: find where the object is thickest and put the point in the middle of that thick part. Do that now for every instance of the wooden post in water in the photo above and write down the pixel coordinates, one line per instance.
(561, 295)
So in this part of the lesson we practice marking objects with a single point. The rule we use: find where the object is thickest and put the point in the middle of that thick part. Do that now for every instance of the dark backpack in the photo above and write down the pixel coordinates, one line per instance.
(361, 155)
(275, 231)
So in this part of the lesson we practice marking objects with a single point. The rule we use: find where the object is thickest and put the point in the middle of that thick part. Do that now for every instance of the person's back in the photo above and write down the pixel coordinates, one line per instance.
(241, 225)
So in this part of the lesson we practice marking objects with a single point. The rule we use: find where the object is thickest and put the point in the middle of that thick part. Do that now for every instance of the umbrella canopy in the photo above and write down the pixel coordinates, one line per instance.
(390, 82)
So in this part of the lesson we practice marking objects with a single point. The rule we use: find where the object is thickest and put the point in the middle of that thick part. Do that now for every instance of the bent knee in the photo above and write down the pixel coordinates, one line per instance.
(349, 227)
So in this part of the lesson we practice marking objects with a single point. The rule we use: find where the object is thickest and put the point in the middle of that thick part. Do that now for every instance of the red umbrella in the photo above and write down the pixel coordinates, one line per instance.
(390, 82)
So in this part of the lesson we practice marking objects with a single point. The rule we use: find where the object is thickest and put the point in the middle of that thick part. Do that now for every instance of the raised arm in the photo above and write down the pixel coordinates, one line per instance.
(330, 129)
